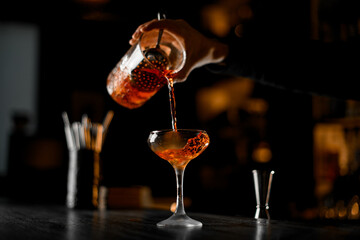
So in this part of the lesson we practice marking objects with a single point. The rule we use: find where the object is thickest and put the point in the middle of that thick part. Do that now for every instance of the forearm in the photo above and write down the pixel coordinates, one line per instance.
(243, 59)
(305, 66)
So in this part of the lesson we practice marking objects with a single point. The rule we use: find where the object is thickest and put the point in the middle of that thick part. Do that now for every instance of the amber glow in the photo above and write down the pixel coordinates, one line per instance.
(256, 106)
(355, 209)
(179, 158)
(330, 213)
(173, 207)
(133, 90)
(341, 210)
(222, 16)
(225, 96)
(262, 153)
(330, 156)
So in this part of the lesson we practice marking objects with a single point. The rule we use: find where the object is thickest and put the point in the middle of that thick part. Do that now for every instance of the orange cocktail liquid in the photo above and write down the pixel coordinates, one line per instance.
(134, 89)
(172, 103)
(127, 94)
(179, 158)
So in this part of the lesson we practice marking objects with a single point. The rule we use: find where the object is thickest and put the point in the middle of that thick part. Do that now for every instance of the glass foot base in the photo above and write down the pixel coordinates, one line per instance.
(179, 221)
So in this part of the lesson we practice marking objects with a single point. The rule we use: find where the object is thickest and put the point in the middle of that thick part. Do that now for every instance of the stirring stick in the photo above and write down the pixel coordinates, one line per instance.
(107, 120)
(86, 128)
(99, 138)
(82, 136)
(75, 128)
(68, 134)
(109, 116)
(161, 30)
(93, 132)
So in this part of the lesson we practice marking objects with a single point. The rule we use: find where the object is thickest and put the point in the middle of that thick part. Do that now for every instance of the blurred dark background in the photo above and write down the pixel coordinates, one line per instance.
(251, 126)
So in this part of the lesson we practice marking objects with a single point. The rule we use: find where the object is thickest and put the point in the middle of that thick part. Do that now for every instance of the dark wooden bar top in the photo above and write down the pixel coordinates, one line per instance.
(36, 221)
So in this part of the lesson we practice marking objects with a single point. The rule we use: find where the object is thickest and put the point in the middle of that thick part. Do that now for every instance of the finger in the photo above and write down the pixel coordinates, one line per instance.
(134, 37)
(144, 27)
(163, 23)
(181, 76)
(140, 29)
(132, 41)
(137, 32)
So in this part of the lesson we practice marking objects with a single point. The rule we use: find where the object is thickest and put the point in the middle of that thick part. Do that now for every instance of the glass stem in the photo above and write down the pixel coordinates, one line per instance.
(180, 210)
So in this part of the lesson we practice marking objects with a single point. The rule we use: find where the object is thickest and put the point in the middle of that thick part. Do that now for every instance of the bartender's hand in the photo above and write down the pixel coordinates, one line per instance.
(200, 50)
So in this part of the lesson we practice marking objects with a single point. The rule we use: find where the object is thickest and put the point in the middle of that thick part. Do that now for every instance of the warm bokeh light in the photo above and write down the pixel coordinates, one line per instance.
(256, 106)
(222, 16)
(341, 210)
(262, 153)
(216, 19)
(173, 207)
(330, 156)
(355, 209)
(330, 213)
(224, 96)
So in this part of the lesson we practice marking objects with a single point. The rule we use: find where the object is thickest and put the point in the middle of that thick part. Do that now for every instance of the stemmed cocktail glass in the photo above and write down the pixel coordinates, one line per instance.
(178, 147)
(150, 64)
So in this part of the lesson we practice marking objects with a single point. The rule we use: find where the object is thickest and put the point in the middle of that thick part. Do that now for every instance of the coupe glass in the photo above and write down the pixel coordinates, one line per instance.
(178, 148)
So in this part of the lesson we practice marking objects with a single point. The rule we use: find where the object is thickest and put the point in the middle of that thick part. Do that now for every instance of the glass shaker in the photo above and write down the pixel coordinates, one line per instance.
(145, 68)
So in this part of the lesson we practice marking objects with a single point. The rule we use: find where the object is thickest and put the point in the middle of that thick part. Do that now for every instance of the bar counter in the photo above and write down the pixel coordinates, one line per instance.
(30, 221)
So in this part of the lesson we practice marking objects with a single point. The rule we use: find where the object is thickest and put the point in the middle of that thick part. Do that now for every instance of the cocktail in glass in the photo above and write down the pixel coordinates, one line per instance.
(178, 147)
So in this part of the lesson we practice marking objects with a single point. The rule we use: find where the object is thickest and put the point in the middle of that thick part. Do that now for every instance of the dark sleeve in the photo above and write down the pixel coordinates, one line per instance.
(310, 67)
